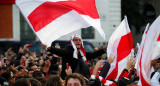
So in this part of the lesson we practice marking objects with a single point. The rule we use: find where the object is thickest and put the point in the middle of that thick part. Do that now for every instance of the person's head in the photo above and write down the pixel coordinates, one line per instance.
(55, 67)
(35, 68)
(54, 81)
(3, 81)
(34, 82)
(22, 82)
(75, 79)
(9, 56)
(9, 77)
(77, 41)
(30, 71)
(22, 71)
(3, 69)
(27, 54)
(52, 73)
(42, 80)
(157, 65)
(37, 74)
(40, 62)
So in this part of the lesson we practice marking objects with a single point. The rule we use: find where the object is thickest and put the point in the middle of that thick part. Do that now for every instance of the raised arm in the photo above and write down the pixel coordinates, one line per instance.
(58, 51)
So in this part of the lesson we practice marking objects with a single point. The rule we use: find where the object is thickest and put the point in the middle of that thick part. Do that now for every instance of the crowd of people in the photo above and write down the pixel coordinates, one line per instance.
(71, 66)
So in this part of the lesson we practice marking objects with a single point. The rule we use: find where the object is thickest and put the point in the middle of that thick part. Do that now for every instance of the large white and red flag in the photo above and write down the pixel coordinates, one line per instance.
(140, 48)
(51, 19)
(150, 49)
(120, 45)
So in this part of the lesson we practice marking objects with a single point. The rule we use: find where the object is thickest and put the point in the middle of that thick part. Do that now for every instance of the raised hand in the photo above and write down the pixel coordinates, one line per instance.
(131, 63)
(110, 59)
(68, 70)
(45, 46)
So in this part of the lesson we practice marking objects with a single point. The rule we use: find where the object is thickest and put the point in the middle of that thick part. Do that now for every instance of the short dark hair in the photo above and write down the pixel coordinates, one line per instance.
(37, 74)
(53, 81)
(76, 76)
(52, 73)
(19, 67)
(6, 75)
(42, 80)
(22, 82)
(34, 82)
(54, 67)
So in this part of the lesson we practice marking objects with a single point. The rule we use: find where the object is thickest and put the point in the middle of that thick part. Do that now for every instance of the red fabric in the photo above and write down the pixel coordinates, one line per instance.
(45, 14)
(123, 74)
(130, 74)
(158, 38)
(123, 50)
(147, 31)
(103, 81)
(100, 68)
(7, 1)
(84, 7)
(97, 77)
(23, 64)
(47, 75)
(84, 53)
(91, 72)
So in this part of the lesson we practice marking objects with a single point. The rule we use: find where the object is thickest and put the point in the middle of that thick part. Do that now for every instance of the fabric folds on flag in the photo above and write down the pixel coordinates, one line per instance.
(150, 49)
(140, 47)
(120, 45)
(51, 19)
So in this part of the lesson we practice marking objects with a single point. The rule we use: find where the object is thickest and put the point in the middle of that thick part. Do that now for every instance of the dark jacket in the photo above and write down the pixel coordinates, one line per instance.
(67, 57)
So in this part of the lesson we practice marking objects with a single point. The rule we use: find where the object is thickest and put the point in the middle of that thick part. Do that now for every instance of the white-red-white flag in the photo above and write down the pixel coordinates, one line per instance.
(140, 48)
(120, 45)
(51, 19)
(150, 49)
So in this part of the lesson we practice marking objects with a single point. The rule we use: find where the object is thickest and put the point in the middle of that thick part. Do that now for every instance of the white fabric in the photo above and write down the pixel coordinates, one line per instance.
(140, 48)
(149, 50)
(155, 79)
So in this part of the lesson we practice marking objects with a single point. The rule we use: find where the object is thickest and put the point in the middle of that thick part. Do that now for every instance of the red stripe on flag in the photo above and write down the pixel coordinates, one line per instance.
(113, 74)
(158, 38)
(147, 31)
(84, 7)
(124, 48)
(46, 13)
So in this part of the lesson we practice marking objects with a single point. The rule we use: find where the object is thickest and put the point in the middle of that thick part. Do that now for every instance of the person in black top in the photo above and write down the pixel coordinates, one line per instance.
(75, 56)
